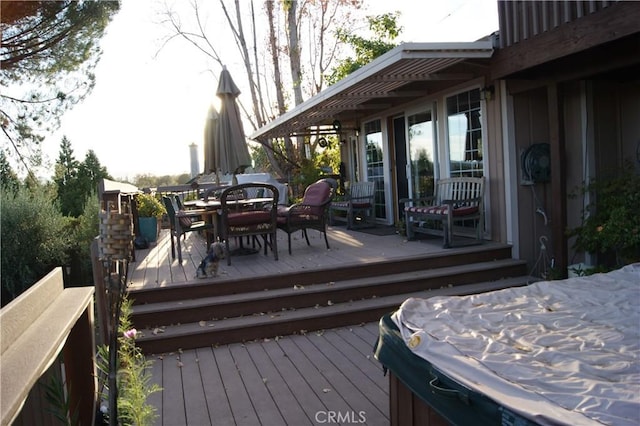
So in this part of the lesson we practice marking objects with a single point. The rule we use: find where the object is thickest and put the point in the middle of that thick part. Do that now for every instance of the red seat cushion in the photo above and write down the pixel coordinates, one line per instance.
(361, 205)
(316, 194)
(248, 218)
(442, 210)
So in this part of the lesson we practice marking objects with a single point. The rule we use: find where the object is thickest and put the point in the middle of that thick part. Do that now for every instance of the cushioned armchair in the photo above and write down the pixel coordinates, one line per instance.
(250, 209)
(310, 213)
(181, 223)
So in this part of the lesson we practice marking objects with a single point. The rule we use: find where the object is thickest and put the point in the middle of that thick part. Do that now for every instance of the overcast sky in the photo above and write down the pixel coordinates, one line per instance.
(146, 109)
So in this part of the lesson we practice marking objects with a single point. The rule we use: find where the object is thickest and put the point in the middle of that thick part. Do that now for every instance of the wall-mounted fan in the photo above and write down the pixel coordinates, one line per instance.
(536, 164)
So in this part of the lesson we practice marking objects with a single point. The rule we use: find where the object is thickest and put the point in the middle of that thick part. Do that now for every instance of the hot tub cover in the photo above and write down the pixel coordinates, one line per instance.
(555, 352)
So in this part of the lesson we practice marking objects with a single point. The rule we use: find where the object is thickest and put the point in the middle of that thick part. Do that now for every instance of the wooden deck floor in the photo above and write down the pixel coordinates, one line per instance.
(315, 378)
(294, 380)
(154, 267)
(323, 377)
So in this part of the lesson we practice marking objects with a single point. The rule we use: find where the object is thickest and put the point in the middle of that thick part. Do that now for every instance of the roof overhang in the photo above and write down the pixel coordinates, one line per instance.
(408, 72)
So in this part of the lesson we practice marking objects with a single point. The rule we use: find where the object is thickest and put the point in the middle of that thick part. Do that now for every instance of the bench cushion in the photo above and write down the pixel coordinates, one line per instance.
(442, 210)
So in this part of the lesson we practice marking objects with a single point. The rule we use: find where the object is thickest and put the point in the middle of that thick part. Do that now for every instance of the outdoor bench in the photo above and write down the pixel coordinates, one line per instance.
(455, 200)
(39, 324)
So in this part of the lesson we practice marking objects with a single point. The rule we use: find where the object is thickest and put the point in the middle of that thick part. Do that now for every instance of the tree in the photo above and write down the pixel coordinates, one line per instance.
(8, 178)
(49, 51)
(384, 28)
(90, 172)
(75, 181)
(66, 180)
(284, 22)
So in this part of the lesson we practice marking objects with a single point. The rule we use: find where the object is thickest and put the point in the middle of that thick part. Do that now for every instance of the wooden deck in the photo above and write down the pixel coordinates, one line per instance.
(155, 268)
(320, 377)
(294, 380)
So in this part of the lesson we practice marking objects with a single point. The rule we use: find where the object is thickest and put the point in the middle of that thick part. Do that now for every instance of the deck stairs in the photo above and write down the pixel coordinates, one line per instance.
(203, 313)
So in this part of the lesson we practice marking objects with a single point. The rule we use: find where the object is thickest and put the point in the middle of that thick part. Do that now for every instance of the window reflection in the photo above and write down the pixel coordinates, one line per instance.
(375, 163)
(421, 152)
(464, 123)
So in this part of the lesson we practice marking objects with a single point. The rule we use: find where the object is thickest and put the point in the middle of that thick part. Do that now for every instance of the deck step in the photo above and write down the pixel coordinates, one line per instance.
(299, 296)
(219, 286)
(272, 324)
(221, 310)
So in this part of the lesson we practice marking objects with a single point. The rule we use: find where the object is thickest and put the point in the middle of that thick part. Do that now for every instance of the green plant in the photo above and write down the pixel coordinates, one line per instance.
(133, 378)
(611, 223)
(149, 206)
(59, 406)
(36, 237)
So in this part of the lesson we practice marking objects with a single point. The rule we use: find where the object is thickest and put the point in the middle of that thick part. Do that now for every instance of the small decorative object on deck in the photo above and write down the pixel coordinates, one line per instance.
(115, 247)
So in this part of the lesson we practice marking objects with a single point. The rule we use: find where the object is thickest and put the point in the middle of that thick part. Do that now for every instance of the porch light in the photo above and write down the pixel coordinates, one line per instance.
(486, 93)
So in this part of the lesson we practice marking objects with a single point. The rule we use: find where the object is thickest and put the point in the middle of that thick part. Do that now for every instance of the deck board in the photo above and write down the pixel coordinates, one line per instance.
(261, 399)
(292, 414)
(213, 388)
(173, 412)
(196, 410)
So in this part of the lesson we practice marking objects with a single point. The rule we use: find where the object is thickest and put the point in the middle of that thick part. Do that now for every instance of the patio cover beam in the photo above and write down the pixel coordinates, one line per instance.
(383, 79)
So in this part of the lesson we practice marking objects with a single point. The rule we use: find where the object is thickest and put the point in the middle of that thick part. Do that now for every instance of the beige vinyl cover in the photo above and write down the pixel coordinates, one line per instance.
(557, 352)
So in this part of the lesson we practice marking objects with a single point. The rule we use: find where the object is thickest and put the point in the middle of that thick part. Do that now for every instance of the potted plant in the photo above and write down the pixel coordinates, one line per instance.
(611, 224)
(150, 209)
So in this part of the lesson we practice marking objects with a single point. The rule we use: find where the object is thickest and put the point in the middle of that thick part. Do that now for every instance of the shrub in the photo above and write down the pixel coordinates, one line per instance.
(611, 223)
(149, 206)
(36, 237)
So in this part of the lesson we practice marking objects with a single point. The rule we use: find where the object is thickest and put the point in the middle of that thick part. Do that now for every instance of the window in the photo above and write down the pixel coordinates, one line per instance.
(375, 163)
(465, 134)
(421, 153)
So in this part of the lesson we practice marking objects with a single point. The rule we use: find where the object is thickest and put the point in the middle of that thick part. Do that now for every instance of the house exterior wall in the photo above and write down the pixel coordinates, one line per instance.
(497, 184)
(496, 228)
(531, 126)
(600, 133)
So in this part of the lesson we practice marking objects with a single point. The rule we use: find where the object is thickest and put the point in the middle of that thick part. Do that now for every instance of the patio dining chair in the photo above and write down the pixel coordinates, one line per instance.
(248, 216)
(310, 213)
(357, 207)
(180, 223)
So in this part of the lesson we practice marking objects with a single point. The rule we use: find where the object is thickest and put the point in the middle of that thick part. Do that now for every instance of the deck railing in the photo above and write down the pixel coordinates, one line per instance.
(48, 330)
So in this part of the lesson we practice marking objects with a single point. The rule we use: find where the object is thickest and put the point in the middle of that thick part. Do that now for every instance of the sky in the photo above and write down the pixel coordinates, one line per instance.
(150, 104)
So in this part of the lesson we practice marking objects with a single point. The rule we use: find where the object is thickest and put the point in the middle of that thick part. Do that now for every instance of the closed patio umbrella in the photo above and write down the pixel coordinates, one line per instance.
(231, 152)
(210, 129)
